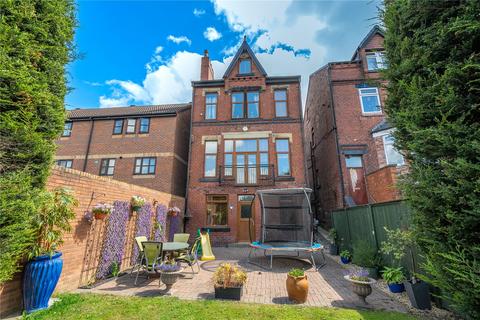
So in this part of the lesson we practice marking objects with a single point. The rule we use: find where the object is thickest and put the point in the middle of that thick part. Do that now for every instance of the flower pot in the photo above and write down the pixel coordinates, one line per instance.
(361, 288)
(345, 260)
(372, 272)
(297, 288)
(39, 280)
(229, 293)
(396, 287)
(333, 249)
(169, 278)
(419, 294)
(100, 215)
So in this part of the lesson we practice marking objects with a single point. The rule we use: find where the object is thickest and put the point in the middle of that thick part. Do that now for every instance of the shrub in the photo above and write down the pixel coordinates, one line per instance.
(365, 255)
(295, 272)
(433, 99)
(333, 235)
(393, 275)
(229, 276)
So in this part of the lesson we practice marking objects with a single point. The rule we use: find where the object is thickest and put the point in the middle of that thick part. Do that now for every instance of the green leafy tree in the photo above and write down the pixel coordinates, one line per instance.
(36, 42)
(433, 49)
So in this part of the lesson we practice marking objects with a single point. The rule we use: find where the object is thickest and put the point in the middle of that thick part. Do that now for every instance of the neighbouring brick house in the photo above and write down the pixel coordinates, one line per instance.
(246, 135)
(349, 148)
(142, 145)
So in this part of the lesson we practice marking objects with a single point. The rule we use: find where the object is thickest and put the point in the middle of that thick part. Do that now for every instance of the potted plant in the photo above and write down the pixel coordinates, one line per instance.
(169, 272)
(297, 285)
(333, 235)
(137, 202)
(173, 211)
(44, 267)
(228, 281)
(101, 210)
(394, 278)
(399, 242)
(366, 256)
(345, 256)
(361, 283)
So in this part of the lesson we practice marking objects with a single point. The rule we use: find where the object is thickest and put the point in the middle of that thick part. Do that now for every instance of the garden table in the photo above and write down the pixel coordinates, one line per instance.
(174, 246)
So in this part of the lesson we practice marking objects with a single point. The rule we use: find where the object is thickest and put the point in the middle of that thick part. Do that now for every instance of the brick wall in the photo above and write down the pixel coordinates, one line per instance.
(82, 246)
(381, 185)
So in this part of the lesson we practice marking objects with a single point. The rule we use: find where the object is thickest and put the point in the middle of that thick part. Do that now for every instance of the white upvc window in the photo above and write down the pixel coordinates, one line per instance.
(392, 156)
(370, 100)
(376, 60)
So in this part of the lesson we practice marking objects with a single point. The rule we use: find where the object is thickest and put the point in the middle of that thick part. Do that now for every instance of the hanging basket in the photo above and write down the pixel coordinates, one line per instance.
(100, 215)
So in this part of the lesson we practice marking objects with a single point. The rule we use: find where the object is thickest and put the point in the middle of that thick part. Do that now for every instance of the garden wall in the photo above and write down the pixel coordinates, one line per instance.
(82, 248)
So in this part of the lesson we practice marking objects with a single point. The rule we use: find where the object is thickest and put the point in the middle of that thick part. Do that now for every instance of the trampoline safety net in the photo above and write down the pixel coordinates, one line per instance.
(286, 215)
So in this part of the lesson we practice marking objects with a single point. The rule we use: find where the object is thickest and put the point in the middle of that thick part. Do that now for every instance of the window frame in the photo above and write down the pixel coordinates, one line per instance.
(354, 156)
(211, 104)
(140, 125)
(240, 66)
(210, 154)
(377, 94)
(284, 152)
(210, 201)
(134, 126)
(262, 169)
(107, 167)
(286, 102)
(69, 130)
(393, 147)
(141, 166)
(245, 104)
(115, 126)
(379, 60)
(58, 163)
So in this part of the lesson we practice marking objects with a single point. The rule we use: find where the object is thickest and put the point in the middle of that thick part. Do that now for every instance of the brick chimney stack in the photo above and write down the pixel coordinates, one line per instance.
(206, 71)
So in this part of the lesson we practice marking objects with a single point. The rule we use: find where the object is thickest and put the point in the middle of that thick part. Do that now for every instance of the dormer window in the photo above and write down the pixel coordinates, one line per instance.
(376, 61)
(245, 66)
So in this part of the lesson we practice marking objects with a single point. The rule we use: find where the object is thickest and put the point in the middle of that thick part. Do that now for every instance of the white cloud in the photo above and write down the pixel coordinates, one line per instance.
(212, 34)
(198, 12)
(179, 40)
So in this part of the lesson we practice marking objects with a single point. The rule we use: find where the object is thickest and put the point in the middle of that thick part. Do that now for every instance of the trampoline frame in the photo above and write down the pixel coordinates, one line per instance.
(268, 247)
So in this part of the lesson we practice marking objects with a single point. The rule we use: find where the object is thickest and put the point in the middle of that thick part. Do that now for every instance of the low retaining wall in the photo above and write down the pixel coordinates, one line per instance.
(82, 247)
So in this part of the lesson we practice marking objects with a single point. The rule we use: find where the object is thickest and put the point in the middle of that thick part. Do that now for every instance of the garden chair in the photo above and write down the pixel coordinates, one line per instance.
(181, 237)
(152, 257)
(191, 257)
(138, 263)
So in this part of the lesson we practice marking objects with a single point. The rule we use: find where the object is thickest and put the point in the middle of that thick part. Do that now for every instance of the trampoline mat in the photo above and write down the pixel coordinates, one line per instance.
(287, 246)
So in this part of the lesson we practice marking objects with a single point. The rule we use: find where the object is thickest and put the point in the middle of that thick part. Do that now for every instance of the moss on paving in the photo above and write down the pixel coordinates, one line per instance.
(94, 306)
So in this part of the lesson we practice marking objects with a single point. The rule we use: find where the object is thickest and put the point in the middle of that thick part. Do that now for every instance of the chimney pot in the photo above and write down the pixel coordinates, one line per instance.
(205, 53)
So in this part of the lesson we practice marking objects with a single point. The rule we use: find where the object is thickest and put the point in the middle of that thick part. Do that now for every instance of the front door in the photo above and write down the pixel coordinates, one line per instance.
(356, 180)
(245, 212)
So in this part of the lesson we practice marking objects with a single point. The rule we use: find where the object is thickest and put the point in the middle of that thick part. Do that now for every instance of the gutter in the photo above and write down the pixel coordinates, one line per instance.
(337, 145)
(185, 217)
(89, 143)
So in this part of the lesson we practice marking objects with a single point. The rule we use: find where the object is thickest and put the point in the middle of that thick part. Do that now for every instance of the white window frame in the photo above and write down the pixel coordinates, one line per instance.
(377, 94)
(379, 57)
(384, 137)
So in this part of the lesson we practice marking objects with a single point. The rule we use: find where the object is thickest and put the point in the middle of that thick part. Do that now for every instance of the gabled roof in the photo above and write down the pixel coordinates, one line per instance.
(375, 30)
(244, 47)
(162, 109)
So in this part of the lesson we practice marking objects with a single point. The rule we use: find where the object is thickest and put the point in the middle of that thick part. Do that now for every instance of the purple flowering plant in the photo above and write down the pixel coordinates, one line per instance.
(160, 224)
(358, 275)
(143, 226)
(169, 266)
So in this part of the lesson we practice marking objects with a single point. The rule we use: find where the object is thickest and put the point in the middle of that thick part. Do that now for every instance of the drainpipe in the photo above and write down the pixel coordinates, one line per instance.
(92, 124)
(185, 218)
(337, 145)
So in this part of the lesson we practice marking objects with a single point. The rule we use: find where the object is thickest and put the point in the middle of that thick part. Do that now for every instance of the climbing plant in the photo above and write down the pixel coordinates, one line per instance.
(160, 224)
(143, 226)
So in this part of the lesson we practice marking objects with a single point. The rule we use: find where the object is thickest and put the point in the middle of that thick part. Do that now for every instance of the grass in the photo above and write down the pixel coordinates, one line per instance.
(93, 306)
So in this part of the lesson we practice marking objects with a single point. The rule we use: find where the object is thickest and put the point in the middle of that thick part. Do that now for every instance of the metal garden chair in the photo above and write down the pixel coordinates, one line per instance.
(152, 252)
(191, 257)
(138, 242)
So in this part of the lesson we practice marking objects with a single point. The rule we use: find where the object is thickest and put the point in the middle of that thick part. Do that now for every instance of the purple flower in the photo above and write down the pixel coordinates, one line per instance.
(161, 220)
(143, 226)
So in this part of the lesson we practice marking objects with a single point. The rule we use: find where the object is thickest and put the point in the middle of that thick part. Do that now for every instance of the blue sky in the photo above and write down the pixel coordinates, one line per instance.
(147, 52)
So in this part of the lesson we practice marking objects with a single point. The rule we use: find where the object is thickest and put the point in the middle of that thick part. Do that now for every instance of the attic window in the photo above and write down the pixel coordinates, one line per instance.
(376, 60)
(245, 66)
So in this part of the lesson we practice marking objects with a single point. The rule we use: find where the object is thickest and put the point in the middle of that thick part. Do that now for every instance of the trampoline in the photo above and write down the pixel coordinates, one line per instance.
(286, 226)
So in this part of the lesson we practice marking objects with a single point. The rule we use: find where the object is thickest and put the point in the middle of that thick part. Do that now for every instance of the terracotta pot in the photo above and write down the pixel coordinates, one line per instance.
(100, 215)
(297, 288)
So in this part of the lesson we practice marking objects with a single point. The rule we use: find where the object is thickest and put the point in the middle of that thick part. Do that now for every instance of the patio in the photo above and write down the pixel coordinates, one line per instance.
(327, 288)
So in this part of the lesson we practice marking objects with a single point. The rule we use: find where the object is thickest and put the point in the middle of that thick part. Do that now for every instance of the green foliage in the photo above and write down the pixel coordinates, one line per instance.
(296, 272)
(115, 269)
(52, 220)
(393, 275)
(346, 254)
(35, 45)
(434, 102)
(333, 235)
(365, 255)
(17, 235)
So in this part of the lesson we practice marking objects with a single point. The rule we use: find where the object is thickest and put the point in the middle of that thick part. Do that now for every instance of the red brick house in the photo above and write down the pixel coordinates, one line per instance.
(246, 134)
(142, 145)
(349, 148)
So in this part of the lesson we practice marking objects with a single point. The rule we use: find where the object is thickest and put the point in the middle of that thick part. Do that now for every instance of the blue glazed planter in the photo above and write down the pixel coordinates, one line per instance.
(396, 287)
(39, 280)
(345, 260)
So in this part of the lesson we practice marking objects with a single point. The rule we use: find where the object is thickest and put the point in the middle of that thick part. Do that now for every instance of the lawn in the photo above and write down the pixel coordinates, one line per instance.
(92, 306)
